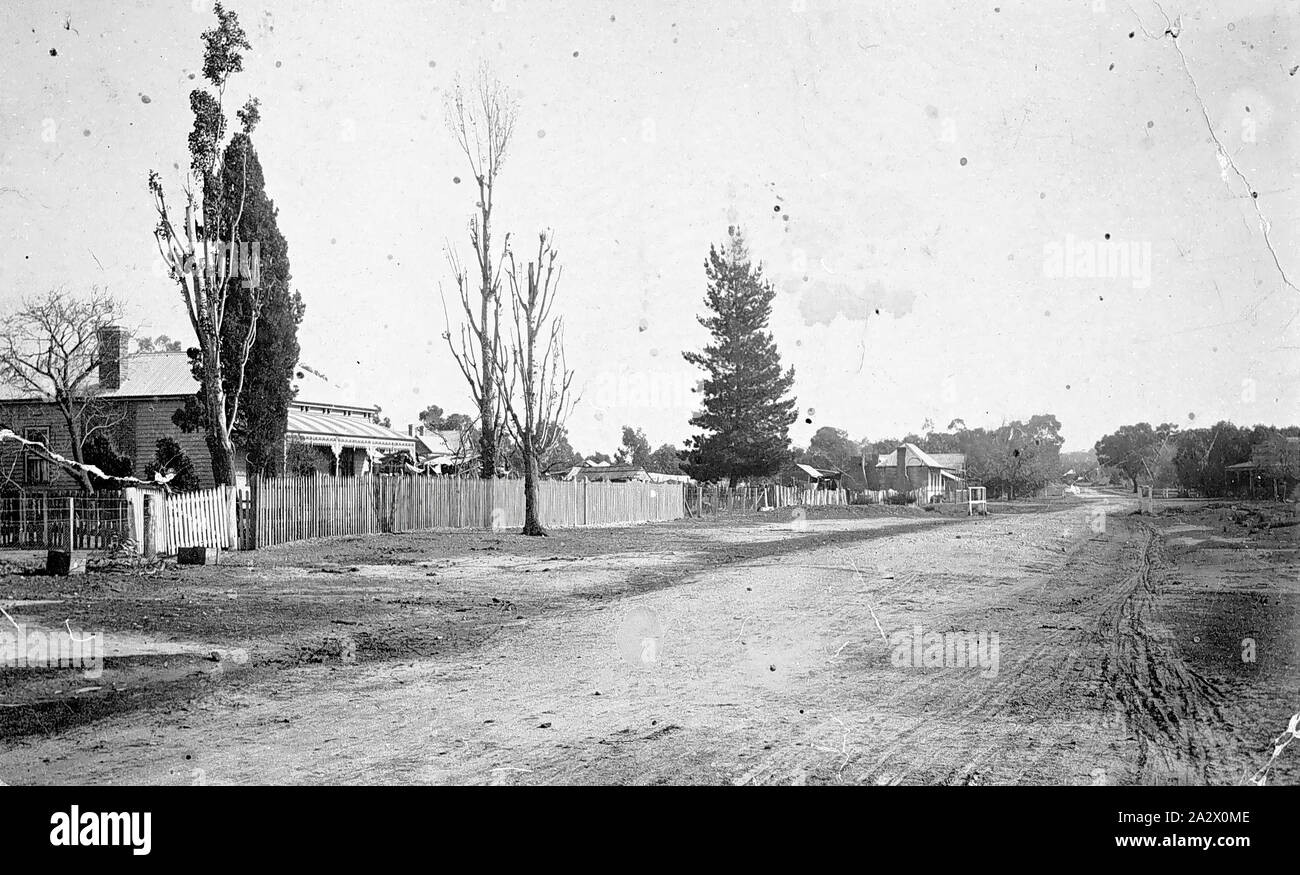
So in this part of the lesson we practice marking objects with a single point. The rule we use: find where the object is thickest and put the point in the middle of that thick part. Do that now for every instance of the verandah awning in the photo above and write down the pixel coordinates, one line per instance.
(332, 429)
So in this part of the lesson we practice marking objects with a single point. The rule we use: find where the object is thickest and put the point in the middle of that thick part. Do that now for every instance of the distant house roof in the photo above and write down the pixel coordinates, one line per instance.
(818, 473)
(447, 443)
(950, 461)
(607, 472)
(918, 456)
(656, 477)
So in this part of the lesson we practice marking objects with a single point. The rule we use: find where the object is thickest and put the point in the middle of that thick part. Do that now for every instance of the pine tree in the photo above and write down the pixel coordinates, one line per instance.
(746, 417)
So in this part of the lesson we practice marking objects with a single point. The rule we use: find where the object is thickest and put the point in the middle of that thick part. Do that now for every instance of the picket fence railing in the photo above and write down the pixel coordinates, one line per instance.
(199, 519)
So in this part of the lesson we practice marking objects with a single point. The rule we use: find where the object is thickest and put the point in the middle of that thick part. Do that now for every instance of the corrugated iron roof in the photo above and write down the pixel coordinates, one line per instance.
(951, 461)
(918, 456)
(156, 373)
(347, 429)
(148, 374)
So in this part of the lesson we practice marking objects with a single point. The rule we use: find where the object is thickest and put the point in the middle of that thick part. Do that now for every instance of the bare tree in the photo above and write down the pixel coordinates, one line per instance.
(537, 411)
(481, 118)
(203, 253)
(50, 351)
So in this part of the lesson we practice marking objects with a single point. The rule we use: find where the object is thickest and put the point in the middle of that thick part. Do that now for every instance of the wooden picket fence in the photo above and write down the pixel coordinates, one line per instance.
(198, 519)
(281, 510)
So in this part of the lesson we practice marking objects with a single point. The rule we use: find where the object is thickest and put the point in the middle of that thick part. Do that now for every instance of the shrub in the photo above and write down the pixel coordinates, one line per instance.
(170, 458)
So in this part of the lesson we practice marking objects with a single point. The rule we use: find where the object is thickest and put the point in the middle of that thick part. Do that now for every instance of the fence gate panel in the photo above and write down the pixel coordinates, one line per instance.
(198, 519)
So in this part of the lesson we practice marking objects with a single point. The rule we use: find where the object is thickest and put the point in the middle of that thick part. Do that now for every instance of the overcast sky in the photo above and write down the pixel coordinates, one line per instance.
(943, 173)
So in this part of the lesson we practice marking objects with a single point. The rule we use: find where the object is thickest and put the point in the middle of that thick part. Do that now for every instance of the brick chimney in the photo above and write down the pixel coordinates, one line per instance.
(113, 340)
(902, 483)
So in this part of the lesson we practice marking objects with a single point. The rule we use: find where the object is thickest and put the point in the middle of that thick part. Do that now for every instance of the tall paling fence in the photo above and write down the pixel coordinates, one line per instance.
(63, 521)
(281, 510)
(706, 500)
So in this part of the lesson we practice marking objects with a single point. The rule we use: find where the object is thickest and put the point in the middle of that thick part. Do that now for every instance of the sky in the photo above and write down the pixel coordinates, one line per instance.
(929, 187)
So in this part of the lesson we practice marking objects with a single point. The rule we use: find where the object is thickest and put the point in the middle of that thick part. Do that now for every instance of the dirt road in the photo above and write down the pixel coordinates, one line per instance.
(1079, 644)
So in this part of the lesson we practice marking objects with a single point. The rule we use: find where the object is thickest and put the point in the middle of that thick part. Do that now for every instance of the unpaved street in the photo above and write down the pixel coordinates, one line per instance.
(1113, 650)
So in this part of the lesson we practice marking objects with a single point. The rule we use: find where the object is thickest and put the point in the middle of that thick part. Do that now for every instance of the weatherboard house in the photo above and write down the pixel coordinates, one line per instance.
(932, 475)
(142, 390)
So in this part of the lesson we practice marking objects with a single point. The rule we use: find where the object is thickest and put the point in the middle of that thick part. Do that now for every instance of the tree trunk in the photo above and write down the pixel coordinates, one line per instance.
(82, 475)
(1135, 485)
(532, 525)
(487, 442)
(220, 447)
(487, 341)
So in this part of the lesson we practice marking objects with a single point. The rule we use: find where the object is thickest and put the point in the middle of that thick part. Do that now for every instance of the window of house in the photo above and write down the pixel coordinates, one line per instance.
(36, 468)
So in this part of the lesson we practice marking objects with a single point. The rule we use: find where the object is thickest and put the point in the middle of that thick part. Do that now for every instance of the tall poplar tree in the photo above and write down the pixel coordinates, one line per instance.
(746, 416)
(262, 418)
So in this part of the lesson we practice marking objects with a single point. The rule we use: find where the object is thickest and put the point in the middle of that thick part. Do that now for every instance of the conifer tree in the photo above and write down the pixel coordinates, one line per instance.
(262, 418)
(747, 415)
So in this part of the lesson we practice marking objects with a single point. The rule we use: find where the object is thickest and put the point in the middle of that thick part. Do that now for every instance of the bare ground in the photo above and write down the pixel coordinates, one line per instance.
(1138, 649)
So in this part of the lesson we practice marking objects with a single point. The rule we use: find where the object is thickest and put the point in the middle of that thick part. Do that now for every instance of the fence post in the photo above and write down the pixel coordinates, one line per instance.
(149, 541)
(135, 524)
(253, 493)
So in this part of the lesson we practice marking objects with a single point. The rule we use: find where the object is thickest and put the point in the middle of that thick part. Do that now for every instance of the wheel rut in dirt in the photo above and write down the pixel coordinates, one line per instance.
(1173, 713)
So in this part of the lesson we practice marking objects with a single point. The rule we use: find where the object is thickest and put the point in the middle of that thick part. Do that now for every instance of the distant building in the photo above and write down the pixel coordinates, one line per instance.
(656, 477)
(1274, 466)
(910, 468)
(608, 473)
(447, 451)
(818, 478)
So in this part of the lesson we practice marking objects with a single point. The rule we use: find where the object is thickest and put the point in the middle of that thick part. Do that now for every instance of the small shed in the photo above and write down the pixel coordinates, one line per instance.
(821, 478)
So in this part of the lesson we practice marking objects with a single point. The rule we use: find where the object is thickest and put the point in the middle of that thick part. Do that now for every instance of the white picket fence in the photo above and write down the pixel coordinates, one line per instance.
(198, 519)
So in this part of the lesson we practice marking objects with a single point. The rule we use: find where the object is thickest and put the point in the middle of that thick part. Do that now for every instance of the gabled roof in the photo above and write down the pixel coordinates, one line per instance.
(917, 456)
(449, 443)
